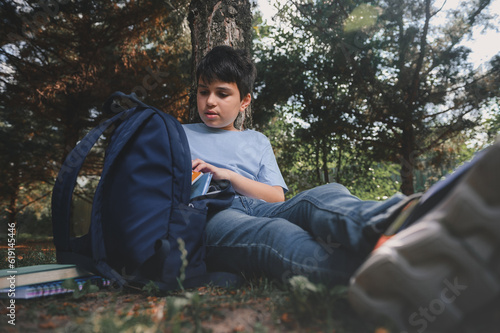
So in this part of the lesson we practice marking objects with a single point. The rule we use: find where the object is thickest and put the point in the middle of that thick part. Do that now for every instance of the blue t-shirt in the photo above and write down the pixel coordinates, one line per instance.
(248, 153)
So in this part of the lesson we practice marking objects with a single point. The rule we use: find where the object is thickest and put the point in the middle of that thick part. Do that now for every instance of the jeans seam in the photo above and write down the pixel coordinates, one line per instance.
(355, 218)
(386, 204)
(274, 251)
(246, 205)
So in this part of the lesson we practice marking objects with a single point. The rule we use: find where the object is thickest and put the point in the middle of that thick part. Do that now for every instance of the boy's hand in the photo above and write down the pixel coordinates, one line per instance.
(217, 173)
(241, 184)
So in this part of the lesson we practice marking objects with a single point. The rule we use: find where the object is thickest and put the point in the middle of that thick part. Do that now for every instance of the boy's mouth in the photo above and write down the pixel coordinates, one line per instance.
(211, 114)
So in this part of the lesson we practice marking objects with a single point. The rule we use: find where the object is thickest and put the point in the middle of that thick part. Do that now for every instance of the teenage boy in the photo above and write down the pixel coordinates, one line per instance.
(324, 233)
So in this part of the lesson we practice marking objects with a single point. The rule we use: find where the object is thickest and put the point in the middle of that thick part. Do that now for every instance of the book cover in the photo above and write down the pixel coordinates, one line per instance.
(200, 185)
(195, 175)
(22, 276)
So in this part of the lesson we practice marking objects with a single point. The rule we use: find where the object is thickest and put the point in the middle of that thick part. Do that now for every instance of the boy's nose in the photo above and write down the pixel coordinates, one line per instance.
(211, 100)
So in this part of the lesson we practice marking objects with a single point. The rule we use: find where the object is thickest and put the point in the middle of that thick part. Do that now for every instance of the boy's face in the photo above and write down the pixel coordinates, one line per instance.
(219, 104)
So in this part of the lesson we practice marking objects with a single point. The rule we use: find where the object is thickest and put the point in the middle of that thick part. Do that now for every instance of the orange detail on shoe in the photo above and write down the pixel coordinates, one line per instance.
(382, 240)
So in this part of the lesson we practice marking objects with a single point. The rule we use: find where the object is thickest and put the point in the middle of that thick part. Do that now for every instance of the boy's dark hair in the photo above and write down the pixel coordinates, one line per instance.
(228, 65)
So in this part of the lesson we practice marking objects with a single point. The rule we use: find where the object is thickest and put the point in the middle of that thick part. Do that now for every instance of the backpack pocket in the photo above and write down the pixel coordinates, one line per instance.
(220, 196)
(181, 256)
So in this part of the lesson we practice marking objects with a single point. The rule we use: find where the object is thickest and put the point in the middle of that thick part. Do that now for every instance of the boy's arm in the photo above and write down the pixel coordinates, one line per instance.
(255, 189)
(241, 184)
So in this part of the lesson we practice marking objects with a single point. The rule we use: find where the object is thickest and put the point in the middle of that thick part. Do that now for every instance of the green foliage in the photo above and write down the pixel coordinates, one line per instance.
(378, 182)
(362, 17)
(31, 222)
(354, 166)
(60, 62)
(139, 323)
(184, 261)
(376, 82)
(350, 166)
(260, 29)
(316, 303)
(312, 300)
(33, 255)
(55, 309)
(301, 307)
(80, 289)
(151, 288)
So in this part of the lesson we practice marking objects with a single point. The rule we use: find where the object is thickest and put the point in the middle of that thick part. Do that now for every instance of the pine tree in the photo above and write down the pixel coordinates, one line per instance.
(381, 80)
(60, 60)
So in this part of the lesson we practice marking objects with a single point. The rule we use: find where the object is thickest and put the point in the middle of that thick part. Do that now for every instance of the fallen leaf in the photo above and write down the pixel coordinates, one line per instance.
(47, 325)
(239, 328)
(285, 318)
(381, 330)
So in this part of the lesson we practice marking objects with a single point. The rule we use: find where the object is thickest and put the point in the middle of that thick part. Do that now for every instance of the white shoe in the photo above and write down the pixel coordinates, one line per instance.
(430, 276)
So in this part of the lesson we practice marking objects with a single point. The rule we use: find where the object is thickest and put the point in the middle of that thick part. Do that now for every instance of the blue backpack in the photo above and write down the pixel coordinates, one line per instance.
(144, 227)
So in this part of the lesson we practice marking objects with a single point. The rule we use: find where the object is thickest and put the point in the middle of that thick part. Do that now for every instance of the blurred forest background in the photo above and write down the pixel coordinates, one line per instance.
(380, 96)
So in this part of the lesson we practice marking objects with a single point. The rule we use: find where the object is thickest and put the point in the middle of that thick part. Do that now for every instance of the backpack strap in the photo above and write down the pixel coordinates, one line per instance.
(63, 192)
(110, 107)
(98, 245)
(66, 181)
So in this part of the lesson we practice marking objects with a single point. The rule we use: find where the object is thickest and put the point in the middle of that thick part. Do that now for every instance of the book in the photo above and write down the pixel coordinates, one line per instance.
(22, 276)
(200, 184)
(50, 288)
(195, 175)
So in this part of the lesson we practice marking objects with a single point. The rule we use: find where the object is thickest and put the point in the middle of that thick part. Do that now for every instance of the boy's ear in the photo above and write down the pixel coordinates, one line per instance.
(245, 102)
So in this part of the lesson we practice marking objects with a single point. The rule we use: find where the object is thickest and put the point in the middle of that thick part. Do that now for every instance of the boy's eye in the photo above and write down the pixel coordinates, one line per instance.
(223, 94)
(203, 92)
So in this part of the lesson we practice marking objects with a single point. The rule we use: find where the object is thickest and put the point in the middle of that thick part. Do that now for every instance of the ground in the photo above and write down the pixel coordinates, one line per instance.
(257, 306)
(252, 308)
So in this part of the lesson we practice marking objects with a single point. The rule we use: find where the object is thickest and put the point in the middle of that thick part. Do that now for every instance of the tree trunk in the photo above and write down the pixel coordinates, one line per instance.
(12, 210)
(408, 153)
(324, 154)
(213, 23)
(339, 159)
(318, 170)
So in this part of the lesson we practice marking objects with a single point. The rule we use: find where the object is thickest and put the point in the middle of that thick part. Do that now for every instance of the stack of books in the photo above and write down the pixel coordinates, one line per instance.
(43, 280)
(200, 183)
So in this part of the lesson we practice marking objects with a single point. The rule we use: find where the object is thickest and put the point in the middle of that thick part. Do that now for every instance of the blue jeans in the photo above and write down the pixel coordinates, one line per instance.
(318, 233)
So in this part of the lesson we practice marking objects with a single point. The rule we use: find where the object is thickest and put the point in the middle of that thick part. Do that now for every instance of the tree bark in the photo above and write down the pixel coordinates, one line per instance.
(408, 160)
(12, 210)
(324, 154)
(408, 147)
(213, 23)
(340, 148)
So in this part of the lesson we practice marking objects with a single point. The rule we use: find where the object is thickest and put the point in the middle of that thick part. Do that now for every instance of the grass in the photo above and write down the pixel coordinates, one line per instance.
(206, 309)
(260, 305)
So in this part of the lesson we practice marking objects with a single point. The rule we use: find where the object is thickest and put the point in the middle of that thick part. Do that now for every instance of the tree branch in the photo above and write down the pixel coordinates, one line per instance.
(20, 208)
